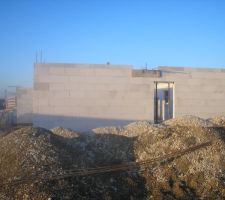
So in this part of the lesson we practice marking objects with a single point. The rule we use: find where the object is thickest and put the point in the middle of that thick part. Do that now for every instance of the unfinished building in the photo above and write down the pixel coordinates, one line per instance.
(85, 96)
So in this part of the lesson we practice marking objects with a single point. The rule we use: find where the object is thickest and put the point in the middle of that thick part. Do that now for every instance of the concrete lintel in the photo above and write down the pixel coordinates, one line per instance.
(146, 73)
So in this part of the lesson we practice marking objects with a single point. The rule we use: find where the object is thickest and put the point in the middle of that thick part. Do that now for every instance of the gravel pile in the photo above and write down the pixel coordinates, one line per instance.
(219, 120)
(28, 152)
(108, 146)
(131, 130)
(65, 132)
(197, 175)
(25, 153)
(200, 174)
(188, 120)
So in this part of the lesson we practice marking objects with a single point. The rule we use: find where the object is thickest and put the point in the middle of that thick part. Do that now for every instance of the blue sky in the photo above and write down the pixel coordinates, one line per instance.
(157, 32)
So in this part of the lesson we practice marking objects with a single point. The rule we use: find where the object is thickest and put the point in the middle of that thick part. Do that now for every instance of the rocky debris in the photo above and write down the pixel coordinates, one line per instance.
(93, 149)
(28, 152)
(101, 149)
(197, 175)
(65, 132)
(192, 176)
(130, 130)
(219, 120)
(6, 130)
(188, 120)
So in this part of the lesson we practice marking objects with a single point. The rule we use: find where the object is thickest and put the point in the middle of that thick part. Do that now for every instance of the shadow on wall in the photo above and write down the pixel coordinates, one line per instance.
(80, 124)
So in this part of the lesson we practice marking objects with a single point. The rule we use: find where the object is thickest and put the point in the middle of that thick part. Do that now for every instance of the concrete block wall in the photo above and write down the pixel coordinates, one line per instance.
(83, 97)
(198, 91)
(24, 107)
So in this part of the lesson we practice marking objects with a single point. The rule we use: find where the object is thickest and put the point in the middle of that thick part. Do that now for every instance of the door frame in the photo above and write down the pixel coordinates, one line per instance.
(156, 120)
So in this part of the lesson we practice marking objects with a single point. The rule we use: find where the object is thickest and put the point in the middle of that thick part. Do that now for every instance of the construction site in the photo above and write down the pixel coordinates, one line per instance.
(111, 132)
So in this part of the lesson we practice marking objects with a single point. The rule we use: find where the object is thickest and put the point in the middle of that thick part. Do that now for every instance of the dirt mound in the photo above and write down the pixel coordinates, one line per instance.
(116, 130)
(219, 120)
(28, 153)
(65, 132)
(98, 148)
(196, 175)
(188, 120)
(200, 174)
(131, 130)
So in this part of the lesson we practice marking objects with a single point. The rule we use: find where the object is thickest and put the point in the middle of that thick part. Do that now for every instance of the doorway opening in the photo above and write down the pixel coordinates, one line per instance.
(163, 101)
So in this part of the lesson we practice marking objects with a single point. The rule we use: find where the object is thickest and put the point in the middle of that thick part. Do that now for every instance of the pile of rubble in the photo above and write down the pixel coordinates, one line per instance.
(29, 152)
(29, 155)
(219, 120)
(188, 120)
(130, 130)
(65, 132)
(26, 153)
(200, 174)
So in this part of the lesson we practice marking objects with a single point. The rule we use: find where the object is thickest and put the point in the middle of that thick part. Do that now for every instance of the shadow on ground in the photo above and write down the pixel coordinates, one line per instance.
(95, 150)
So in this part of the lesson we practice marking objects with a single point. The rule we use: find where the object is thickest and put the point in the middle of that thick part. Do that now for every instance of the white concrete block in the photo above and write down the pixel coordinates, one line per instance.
(57, 70)
(91, 92)
(41, 86)
(56, 86)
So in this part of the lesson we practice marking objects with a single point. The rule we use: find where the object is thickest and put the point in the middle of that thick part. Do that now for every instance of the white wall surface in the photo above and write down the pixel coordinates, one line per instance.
(83, 96)
(86, 96)
(199, 92)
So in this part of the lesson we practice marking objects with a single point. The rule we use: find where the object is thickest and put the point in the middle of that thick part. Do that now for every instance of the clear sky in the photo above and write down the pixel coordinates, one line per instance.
(156, 32)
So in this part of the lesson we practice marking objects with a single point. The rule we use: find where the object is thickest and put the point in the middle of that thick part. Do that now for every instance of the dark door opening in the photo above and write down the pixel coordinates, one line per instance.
(163, 101)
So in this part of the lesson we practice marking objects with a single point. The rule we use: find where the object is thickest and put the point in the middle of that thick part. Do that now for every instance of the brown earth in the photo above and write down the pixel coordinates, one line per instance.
(27, 153)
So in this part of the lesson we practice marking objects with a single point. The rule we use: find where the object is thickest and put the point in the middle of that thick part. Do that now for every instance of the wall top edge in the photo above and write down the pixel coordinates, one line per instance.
(190, 69)
(82, 65)
(127, 66)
